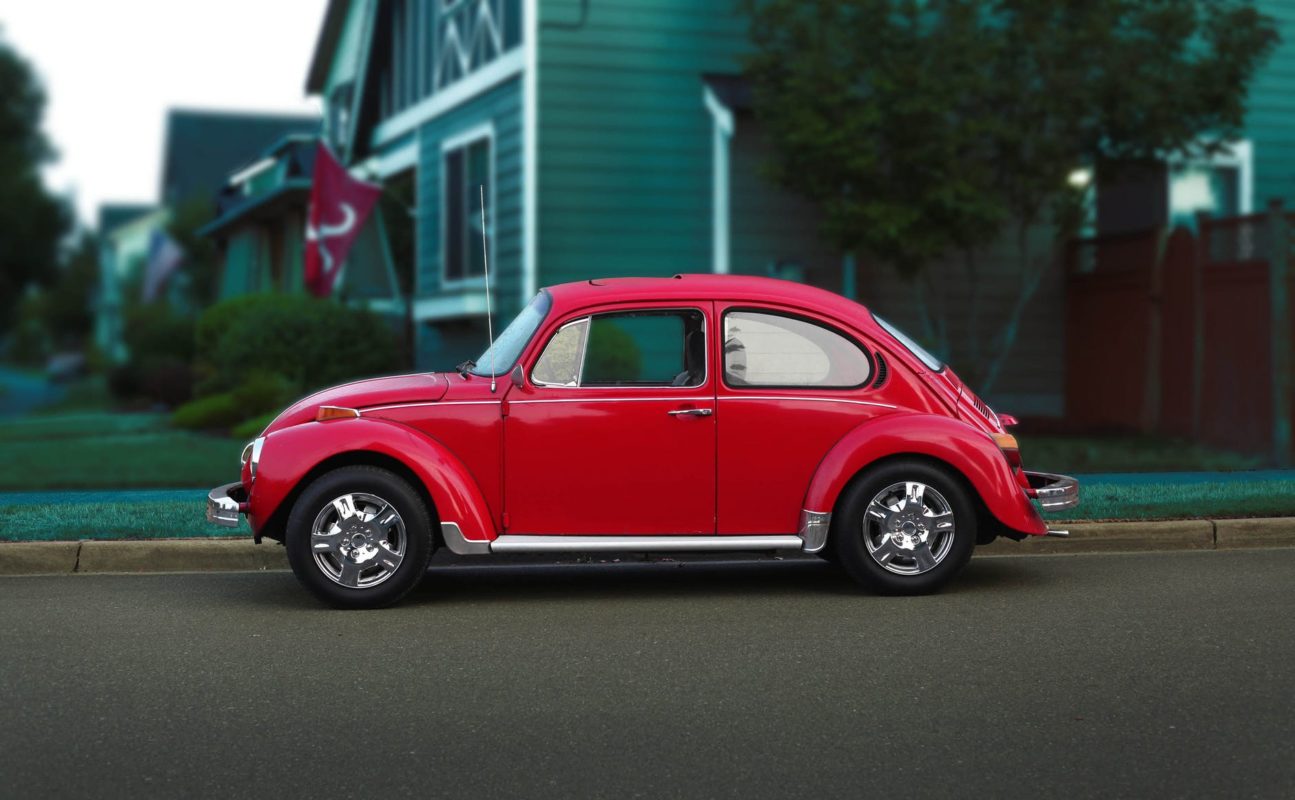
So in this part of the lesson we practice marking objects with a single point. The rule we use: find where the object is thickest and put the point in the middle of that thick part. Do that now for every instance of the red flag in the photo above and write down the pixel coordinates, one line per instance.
(339, 204)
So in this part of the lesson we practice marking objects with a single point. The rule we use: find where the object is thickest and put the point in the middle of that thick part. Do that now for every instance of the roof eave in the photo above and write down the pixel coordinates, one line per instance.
(330, 33)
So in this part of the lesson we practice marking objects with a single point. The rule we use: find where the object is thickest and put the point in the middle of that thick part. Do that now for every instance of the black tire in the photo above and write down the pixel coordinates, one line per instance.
(949, 548)
(376, 583)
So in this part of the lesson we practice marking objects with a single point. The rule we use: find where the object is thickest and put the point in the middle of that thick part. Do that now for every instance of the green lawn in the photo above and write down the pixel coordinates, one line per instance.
(109, 450)
(1208, 500)
(170, 519)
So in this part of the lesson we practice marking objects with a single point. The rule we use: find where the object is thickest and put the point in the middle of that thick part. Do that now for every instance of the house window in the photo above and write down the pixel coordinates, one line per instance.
(1220, 185)
(467, 167)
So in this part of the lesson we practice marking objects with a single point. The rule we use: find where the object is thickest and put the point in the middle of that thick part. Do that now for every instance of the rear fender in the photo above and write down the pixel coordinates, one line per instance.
(289, 455)
(957, 444)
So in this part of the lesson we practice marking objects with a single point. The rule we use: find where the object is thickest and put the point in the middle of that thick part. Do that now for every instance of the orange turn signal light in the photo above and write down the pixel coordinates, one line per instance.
(326, 413)
(1008, 444)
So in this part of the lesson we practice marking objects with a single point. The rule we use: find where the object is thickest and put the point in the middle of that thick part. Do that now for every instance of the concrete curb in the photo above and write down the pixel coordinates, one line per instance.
(240, 555)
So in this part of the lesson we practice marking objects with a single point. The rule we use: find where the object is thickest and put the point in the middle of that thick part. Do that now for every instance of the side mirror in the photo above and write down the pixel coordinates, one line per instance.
(517, 376)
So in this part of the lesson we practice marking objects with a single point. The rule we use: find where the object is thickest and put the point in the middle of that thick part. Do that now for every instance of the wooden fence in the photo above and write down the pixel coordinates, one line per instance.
(1185, 334)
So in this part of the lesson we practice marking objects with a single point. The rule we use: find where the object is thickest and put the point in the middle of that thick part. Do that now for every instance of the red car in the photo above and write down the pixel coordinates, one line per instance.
(699, 412)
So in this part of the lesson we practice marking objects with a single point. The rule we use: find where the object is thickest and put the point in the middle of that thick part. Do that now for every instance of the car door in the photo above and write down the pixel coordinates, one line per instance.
(612, 432)
(791, 385)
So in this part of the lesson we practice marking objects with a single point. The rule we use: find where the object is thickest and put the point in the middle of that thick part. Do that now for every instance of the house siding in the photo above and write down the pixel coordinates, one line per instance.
(1270, 119)
(624, 138)
(501, 106)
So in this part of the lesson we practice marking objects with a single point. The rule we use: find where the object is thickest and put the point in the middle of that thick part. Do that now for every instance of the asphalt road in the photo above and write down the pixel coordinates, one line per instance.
(1091, 676)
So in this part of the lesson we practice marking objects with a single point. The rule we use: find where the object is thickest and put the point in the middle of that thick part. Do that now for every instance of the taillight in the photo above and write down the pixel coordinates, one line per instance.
(1011, 449)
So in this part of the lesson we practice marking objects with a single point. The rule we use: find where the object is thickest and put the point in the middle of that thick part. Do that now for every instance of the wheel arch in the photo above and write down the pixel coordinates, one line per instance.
(274, 528)
(951, 445)
(987, 527)
(293, 457)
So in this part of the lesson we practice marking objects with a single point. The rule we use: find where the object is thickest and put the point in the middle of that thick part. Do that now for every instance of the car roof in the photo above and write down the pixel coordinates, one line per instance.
(737, 288)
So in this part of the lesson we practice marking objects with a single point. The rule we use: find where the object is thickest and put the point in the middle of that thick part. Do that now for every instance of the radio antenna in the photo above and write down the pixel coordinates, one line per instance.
(485, 260)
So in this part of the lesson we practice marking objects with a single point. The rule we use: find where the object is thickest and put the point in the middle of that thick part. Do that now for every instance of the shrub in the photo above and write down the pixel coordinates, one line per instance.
(250, 429)
(166, 380)
(260, 394)
(156, 331)
(216, 411)
(160, 343)
(306, 341)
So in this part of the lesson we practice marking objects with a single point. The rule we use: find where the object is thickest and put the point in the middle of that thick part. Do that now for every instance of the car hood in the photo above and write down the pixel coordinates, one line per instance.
(426, 387)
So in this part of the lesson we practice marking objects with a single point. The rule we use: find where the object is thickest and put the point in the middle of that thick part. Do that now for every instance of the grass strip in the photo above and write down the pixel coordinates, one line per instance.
(1231, 499)
(164, 519)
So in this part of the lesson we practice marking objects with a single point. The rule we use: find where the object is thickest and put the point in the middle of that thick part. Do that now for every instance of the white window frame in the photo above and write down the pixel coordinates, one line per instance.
(462, 140)
(1239, 154)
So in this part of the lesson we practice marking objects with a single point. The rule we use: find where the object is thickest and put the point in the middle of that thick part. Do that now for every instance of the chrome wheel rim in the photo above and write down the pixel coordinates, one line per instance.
(358, 540)
(908, 528)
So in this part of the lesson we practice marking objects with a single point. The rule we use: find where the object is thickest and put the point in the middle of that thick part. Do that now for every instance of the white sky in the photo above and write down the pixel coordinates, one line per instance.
(111, 69)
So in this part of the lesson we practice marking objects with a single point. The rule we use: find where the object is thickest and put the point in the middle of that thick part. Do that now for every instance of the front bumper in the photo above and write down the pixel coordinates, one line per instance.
(1054, 492)
(225, 504)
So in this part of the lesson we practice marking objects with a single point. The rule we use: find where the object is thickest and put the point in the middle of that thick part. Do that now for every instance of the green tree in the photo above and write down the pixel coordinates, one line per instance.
(32, 222)
(201, 259)
(927, 130)
(69, 303)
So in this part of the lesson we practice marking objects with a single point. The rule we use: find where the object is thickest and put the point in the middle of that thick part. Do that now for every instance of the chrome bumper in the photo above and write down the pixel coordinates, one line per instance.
(225, 504)
(1054, 492)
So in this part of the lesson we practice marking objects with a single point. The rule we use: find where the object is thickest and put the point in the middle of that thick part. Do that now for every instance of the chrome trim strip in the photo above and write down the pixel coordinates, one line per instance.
(257, 444)
(523, 543)
(364, 411)
(460, 546)
(814, 526)
(699, 399)
(800, 398)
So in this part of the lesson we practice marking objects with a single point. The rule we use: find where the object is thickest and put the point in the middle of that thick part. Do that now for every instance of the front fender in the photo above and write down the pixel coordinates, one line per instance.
(290, 454)
(956, 443)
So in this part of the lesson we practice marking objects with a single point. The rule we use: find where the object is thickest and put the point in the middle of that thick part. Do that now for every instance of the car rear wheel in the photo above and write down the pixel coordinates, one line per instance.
(906, 527)
(359, 537)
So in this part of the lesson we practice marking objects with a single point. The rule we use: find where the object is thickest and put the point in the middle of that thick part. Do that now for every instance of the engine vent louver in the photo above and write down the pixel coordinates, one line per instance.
(982, 408)
(882, 372)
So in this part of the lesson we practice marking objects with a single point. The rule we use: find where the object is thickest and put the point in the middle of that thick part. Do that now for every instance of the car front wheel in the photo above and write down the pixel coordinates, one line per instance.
(907, 527)
(359, 537)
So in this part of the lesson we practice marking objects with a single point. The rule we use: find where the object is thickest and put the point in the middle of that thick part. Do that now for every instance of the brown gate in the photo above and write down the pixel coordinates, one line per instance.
(1175, 334)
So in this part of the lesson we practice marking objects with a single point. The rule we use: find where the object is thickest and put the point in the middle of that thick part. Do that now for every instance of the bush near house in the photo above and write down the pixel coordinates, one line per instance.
(259, 352)
(160, 342)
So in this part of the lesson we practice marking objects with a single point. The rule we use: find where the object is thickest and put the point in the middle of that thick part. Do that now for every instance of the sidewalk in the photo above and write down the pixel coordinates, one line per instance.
(214, 555)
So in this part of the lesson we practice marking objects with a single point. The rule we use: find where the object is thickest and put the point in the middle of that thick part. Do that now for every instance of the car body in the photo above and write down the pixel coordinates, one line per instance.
(700, 412)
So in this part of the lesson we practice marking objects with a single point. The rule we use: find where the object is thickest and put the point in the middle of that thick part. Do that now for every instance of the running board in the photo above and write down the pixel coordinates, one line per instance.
(522, 543)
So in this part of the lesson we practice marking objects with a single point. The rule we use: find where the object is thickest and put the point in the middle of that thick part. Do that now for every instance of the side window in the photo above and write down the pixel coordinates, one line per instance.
(641, 348)
(772, 350)
(559, 365)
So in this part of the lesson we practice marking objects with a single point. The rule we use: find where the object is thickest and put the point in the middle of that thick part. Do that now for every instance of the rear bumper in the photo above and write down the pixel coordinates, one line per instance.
(225, 504)
(1054, 492)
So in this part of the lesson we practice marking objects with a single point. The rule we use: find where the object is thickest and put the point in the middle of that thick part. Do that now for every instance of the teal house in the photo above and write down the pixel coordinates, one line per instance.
(616, 137)
(612, 138)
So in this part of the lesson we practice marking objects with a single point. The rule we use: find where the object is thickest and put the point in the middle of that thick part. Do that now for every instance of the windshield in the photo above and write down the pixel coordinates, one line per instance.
(913, 347)
(500, 357)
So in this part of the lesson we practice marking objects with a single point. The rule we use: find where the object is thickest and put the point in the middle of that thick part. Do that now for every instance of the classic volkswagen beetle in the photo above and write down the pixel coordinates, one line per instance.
(699, 412)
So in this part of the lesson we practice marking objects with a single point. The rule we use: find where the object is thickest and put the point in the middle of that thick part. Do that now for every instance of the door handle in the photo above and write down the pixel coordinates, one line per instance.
(691, 412)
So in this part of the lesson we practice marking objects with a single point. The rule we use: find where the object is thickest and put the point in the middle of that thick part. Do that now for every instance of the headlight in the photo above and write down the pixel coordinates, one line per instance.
(252, 453)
